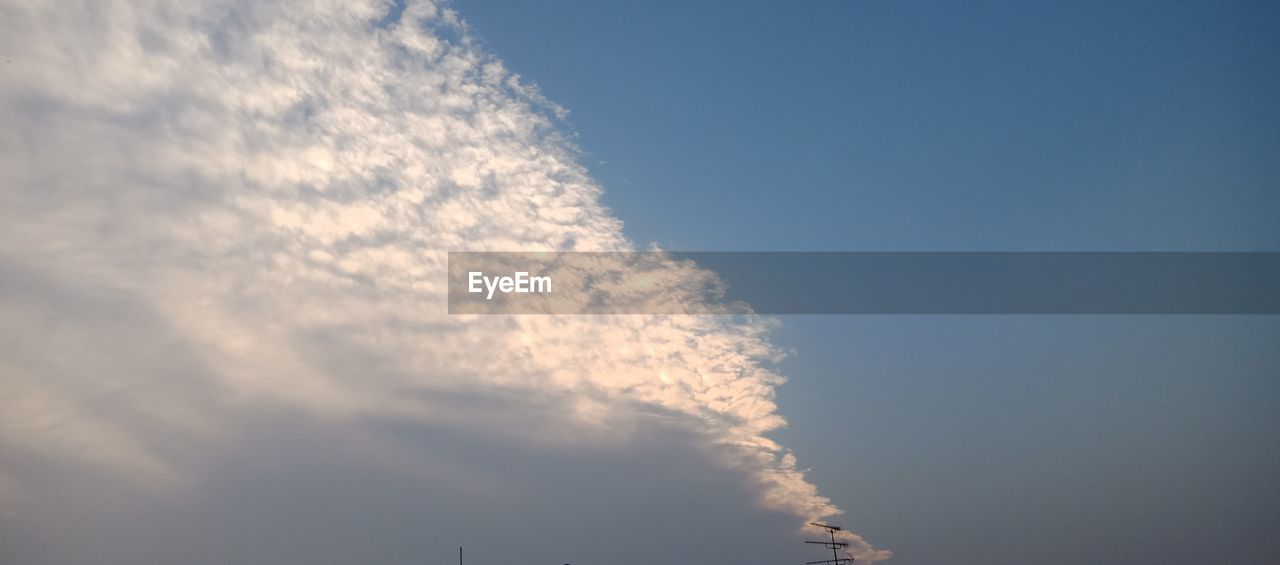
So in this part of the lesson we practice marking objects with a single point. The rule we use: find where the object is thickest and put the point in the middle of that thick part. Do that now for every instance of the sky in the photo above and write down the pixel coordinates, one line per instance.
(1008, 126)
(223, 230)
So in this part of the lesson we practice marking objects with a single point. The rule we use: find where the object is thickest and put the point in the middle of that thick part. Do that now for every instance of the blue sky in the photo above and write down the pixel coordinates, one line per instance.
(898, 126)
(955, 126)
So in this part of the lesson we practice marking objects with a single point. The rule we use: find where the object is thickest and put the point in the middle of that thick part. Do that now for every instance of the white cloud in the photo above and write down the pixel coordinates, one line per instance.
(252, 203)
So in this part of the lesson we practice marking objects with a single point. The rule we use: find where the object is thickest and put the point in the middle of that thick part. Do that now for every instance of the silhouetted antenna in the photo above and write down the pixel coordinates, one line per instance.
(833, 545)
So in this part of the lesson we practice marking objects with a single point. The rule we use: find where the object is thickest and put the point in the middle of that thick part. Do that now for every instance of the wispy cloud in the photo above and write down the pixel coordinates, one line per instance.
(211, 206)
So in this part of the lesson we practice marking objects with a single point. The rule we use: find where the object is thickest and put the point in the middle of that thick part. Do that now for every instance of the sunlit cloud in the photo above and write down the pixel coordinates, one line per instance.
(221, 205)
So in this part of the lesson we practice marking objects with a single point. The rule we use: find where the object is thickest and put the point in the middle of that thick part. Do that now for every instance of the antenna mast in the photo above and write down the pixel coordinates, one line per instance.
(833, 545)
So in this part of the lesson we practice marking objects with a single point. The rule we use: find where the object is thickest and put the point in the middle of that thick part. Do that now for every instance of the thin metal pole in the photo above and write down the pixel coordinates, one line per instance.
(834, 558)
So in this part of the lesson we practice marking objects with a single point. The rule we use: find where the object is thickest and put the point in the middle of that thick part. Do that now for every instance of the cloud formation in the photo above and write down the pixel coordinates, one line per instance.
(212, 209)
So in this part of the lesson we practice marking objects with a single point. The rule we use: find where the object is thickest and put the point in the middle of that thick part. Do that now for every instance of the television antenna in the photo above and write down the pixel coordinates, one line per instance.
(833, 545)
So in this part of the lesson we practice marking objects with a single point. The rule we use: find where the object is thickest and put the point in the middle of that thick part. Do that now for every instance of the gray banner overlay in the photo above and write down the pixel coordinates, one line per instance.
(780, 283)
